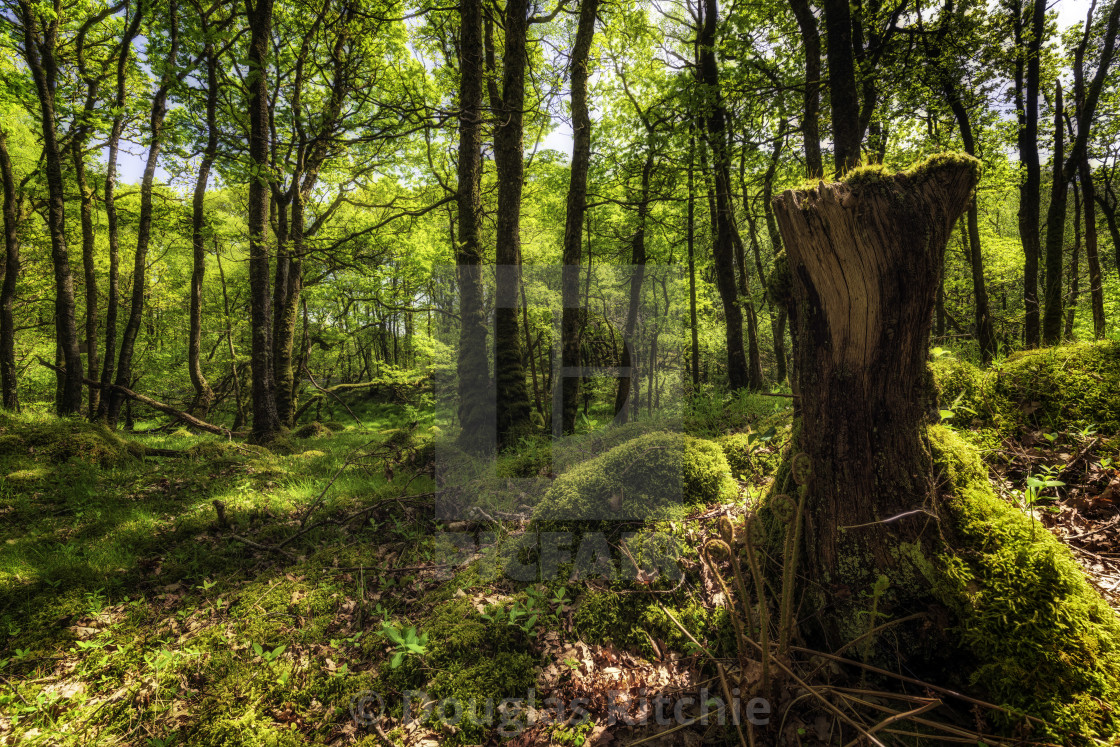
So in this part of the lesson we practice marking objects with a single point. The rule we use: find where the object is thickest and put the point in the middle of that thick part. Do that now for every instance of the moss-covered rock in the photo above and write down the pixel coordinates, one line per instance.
(1038, 637)
(314, 429)
(642, 479)
(54, 440)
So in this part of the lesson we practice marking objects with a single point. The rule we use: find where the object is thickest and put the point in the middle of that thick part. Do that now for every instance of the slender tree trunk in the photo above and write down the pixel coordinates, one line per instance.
(1055, 230)
(865, 260)
(266, 420)
(627, 392)
(842, 85)
(693, 323)
(810, 117)
(85, 212)
(475, 407)
(1028, 41)
(984, 335)
(1074, 266)
(509, 372)
(723, 244)
(204, 395)
(131, 331)
(9, 393)
(1096, 287)
(39, 53)
(112, 304)
(575, 216)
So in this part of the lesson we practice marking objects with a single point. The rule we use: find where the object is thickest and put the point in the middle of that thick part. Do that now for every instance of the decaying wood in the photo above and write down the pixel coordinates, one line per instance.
(866, 258)
(154, 404)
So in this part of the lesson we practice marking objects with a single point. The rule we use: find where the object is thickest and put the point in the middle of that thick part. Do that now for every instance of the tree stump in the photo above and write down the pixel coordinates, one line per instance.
(865, 258)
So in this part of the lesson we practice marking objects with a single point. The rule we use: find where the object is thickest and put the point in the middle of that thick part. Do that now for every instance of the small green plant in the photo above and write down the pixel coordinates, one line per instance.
(407, 642)
(268, 656)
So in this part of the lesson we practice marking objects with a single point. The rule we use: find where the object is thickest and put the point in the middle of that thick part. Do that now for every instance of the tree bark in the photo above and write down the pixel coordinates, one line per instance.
(9, 394)
(266, 421)
(866, 260)
(693, 324)
(626, 393)
(39, 53)
(473, 369)
(574, 218)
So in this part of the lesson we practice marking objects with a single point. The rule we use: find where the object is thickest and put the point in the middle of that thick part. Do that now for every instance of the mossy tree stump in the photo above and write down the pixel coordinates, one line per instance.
(865, 257)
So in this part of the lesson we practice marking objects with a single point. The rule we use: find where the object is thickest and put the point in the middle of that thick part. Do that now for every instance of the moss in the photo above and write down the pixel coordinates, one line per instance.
(630, 621)
(779, 283)
(57, 440)
(745, 455)
(1038, 637)
(469, 660)
(1048, 388)
(312, 430)
(641, 479)
(334, 426)
(181, 433)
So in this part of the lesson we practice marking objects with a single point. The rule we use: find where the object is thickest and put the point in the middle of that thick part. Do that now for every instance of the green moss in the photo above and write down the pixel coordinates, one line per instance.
(312, 430)
(181, 433)
(1038, 637)
(1053, 388)
(40, 438)
(630, 621)
(469, 660)
(641, 479)
(746, 456)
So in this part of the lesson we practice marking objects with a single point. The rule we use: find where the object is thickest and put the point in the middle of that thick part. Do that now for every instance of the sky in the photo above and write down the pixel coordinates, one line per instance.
(131, 164)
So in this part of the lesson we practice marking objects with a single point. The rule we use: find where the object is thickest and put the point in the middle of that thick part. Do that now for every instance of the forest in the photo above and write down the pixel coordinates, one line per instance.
(560, 372)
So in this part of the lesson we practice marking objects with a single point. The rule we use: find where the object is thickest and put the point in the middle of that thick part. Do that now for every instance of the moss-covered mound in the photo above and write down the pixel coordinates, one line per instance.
(1038, 637)
(746, 454)
(312, 430)
(1049, 388)
(49, 440)
(641, 479)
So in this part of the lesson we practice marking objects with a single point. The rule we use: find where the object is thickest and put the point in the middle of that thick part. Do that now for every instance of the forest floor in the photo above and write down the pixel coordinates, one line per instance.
(322, 598)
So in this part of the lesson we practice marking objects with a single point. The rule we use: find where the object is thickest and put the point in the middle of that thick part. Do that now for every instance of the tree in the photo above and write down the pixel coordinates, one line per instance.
(843, 95)
(266, 421)
(40, 28)
(473, 370)
(13, 206)
(1065, 168)
(865, 257)
(574, 215)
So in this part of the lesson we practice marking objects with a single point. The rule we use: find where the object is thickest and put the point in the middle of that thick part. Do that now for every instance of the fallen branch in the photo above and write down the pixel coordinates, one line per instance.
(154, 404)
(331, 392)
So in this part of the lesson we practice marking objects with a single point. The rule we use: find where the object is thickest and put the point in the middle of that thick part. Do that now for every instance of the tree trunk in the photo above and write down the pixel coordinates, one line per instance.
(509, 372)
(628, 381)
(475, 408)
(1096, 288)
(266, 421)
(203, 394)
(112, 304)
(984, 335)
(1074, 266)
(693, 324)
(810, 116)
(39, 53)
(866, 260)
(723, 244)
(157, 116)
(9, 395)
(85, 212)
(1028, 42)
(573, 220)
(1055, 231)
(842, 85)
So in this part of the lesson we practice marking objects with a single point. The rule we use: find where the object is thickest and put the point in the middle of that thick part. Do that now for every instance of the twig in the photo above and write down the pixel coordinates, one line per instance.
(328, 391)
